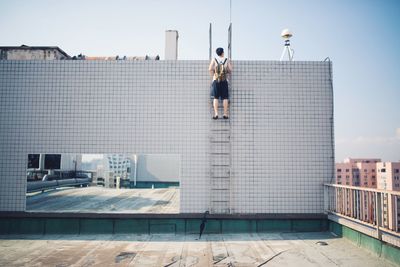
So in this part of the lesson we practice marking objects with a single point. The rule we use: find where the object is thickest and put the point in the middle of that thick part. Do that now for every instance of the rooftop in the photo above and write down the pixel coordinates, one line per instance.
(266, 249)
(100, 200)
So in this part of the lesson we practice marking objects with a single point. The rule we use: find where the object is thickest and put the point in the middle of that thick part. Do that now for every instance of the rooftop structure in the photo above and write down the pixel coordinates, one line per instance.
(357, 172)
(25, 52)
(271, 156)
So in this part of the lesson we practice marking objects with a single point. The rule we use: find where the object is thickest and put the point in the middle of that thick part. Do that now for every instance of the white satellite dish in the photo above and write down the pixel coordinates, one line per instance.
(286, 34)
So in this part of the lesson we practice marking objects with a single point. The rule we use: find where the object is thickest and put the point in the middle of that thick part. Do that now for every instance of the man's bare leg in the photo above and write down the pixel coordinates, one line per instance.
(215, 104)
(226, 103)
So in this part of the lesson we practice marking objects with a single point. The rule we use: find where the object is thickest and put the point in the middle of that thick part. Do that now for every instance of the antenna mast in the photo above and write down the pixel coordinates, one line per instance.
(230, 31)
(286, 34)
(210, 42)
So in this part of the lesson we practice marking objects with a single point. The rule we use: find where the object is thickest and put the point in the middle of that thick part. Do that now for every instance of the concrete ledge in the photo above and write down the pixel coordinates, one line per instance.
(50, 225)
(362, 228)
(297, 216)
(358, 235)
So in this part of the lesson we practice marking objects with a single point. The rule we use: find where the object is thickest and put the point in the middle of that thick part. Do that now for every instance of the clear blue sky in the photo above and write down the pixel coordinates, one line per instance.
(360, 36)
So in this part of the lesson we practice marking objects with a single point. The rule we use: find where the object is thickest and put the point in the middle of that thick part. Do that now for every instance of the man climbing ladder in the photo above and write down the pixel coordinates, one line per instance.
(219, 68)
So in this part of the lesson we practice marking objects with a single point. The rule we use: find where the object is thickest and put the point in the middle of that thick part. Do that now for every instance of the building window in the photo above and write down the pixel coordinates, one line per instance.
(339, 176)
(373, 170)
(347, 170)
(396, 170)
(383, 170)
(339, 170)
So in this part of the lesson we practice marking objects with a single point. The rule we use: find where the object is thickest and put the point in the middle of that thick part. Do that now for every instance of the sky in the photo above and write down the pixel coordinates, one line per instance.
(360, 37)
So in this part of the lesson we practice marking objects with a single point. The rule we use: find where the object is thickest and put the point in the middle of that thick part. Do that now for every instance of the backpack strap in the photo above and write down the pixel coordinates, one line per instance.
(224, 61)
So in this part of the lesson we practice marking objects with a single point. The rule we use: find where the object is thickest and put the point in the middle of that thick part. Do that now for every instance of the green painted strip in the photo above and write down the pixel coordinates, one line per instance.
(336, 228)
(378, 247)
(274, 226)
(351, 234)
(193, 226)
(96, 226)
(153, 184)
(238, 226)
(212, 227)
(391, 253)
(62, 226)
(26, 226)
(371, 244)
(148, 226)
(127, 226)
(167, 226)
(4, 225)
(306, 225)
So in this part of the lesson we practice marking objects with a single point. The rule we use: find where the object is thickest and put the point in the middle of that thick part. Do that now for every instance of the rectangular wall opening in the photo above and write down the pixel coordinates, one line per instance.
(103, 183)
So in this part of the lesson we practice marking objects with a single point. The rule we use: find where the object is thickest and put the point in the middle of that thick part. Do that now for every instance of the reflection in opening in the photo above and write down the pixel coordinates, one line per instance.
(103, 183)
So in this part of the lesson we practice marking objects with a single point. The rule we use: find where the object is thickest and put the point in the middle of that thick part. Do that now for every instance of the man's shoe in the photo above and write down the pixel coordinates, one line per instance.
(215, 117)
(225, 117)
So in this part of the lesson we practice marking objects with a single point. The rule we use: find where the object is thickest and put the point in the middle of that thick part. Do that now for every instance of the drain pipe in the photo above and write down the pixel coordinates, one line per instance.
(135, 158)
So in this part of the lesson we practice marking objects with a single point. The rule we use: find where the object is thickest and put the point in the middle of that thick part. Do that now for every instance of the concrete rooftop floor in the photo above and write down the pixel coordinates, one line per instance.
(100, 200)
(267, 249)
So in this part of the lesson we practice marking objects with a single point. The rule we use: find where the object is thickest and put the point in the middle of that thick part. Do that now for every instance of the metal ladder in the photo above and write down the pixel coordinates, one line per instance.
(220, 164)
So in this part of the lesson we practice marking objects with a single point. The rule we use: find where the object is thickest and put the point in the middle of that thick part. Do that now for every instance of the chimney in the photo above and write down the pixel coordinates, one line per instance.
(171, 45)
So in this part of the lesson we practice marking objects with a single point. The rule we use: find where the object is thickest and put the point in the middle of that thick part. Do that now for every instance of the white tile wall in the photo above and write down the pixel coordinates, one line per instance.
(281, 115)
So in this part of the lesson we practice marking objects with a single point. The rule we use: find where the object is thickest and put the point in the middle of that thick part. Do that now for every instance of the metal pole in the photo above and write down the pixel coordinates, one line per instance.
(378, 214)
(230, 41)
(210, 42)
(135, 173)
(230, 11)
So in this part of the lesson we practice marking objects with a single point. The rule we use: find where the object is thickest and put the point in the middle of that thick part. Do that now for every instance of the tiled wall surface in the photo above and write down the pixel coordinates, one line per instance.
(281, 125)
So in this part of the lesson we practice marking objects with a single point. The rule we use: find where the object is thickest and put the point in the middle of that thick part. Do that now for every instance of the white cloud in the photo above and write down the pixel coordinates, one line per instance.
(375, 140)
(372, 140)
(385, 147)
(90, 157)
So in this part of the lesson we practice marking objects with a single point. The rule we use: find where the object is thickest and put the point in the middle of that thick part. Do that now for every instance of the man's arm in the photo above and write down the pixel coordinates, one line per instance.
(211, 68)
(229, 69)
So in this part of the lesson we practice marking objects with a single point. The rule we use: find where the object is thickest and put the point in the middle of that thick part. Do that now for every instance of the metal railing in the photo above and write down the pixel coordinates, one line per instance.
(45, 185)
(377, 208)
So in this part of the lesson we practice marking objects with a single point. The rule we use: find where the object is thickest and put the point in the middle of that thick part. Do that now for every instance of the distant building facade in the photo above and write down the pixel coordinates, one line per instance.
(25, 52)
(389, 179)
(388, 175)
(357, 172)
(373, 173)
(115, 171)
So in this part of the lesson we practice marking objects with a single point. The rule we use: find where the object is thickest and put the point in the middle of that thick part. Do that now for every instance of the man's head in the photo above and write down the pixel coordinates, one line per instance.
(220, 51)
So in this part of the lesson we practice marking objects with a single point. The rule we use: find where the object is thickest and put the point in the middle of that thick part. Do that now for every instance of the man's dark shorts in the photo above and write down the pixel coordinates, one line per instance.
(220, 90)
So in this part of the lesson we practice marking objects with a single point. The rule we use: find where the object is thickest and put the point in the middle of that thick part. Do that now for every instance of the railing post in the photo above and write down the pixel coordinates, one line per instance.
(378, 214)
(326, 199)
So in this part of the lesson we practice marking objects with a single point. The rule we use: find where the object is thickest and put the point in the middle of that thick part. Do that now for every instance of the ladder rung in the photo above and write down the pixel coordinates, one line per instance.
(220, 142)
(220, 177)
(219, 153)
(220, 201)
